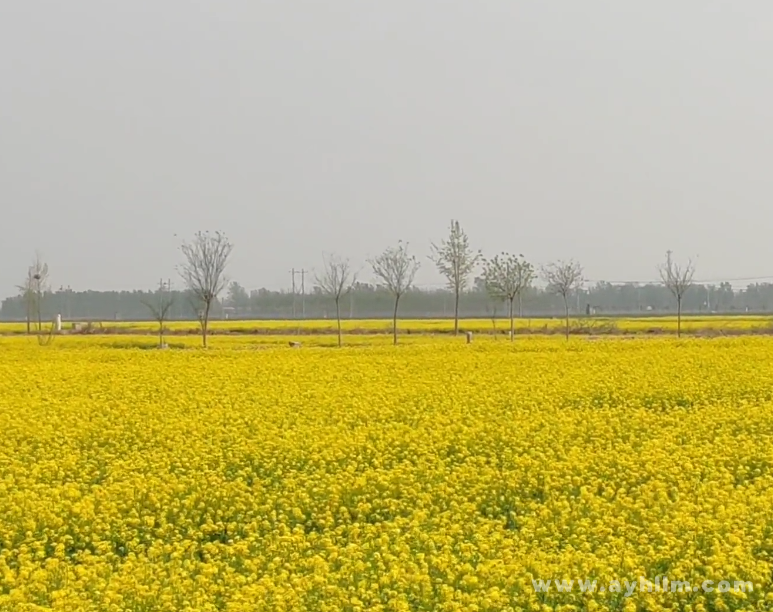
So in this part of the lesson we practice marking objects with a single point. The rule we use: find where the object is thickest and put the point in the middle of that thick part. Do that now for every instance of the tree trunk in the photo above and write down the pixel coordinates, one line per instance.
(512, 322)
(338, 319)
(566, 308)
(40, 315)
(678, 316)
(205, 324)
(456, 313)
(394, 321)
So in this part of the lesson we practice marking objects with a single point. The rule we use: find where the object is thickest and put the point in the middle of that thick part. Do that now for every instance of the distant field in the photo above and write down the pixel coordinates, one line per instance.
(239, 341)
(593, 326)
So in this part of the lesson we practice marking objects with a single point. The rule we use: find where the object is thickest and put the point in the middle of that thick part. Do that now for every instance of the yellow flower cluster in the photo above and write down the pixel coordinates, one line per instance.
(437, 476)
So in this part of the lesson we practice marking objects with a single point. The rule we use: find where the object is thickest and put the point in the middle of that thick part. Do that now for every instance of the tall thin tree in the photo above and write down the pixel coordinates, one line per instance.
(33, 291)
(563, 278)
(396, 268)
(504, 277)
(205, 259)
(677, 279)
(336, 280)
(27, 294)
(160, 303)
(455, 260)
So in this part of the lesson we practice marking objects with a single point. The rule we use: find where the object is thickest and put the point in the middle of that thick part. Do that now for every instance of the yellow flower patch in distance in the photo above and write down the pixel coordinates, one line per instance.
(430, 476)
(739, 323)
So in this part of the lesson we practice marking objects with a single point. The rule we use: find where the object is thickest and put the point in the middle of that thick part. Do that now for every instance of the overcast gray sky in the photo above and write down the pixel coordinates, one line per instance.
(606, 131)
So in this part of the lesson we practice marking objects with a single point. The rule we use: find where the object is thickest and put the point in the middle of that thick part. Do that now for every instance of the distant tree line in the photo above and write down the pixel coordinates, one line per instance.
(502, 286)
(366, 300)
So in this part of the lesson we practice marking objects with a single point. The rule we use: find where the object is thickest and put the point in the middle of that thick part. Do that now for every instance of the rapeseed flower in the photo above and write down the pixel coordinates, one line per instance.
(434, 476)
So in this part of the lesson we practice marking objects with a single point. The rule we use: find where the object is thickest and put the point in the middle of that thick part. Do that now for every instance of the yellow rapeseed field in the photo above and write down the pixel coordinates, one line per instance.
(429, 476)
(602, 325)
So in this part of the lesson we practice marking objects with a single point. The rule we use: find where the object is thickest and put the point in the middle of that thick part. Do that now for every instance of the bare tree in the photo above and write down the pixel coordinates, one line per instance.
(397, 269)
(27, 293)
(205, 259)
(504, 277)
(455, 260)
(677, 279)
(564, 277)
(336, 280)
(491, 310)
(160, 304)
(33, 292)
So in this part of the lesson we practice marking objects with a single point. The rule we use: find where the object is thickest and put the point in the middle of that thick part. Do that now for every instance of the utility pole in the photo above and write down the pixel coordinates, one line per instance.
(169, 291)
(303, 293)
(293, 275)
(302, 272)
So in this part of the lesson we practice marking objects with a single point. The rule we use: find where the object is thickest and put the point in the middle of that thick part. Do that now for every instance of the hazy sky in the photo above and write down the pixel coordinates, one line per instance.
(606, 131)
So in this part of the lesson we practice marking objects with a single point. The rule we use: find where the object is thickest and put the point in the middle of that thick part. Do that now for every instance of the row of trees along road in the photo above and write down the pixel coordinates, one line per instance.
(505, 277)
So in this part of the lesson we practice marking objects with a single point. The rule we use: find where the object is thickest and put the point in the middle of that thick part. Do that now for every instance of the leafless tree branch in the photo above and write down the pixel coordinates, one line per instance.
(160, 304)
(677, 279)
(205, 259)
(563, 278)
(396, 268)
(505, 277)
(455, 260)
(33, 291)
(336, 280)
